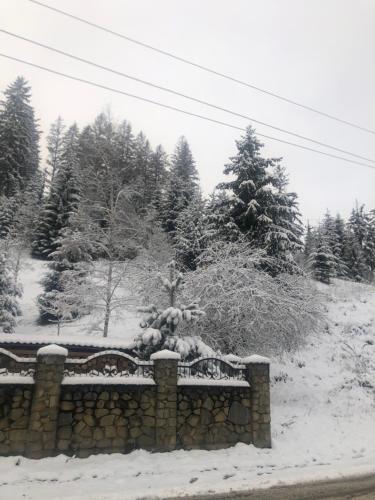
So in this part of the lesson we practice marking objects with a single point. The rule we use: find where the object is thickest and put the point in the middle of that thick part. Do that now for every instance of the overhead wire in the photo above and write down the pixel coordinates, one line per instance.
(185, 96)
(204, 68)
(186, 112)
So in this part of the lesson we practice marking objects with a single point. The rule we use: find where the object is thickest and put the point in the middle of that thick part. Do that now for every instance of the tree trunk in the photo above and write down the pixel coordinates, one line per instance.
(108, 299)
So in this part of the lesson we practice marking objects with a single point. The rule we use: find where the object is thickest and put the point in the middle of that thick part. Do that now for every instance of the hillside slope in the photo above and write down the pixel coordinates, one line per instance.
(123, 326)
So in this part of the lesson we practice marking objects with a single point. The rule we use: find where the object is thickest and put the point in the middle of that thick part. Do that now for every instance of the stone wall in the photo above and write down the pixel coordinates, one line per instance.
(106, 419)
(52, 405)
(15, 402)
(213, 417)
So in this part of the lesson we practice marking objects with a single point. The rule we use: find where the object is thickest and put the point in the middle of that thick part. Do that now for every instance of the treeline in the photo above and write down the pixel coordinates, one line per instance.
(107, 195)
(342, 249)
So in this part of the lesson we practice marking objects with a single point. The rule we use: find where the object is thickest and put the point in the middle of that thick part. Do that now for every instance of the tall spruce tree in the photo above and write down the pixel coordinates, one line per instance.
(260, 204)
(55, 146)
(182, 187)
(63, 199)
(321, 260)
(19, 137)
(192, 235)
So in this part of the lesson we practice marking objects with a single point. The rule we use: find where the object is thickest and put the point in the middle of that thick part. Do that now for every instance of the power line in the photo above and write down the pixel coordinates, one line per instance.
(185, 96)
(189, 113)
(204, 68)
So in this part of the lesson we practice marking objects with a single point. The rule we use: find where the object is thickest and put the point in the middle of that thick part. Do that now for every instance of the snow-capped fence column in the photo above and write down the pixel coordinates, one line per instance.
(258, 375)
(44, 413)
(165, 373)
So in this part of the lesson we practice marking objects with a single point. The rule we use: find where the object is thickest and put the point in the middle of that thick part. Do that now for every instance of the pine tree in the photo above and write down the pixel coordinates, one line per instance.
(309, 242)
(142, 161)
(55, 146)
(369, 243)
(160, 327)
(9, 291)
(65, 296)
(19, 136)
(8, 209)
(355, 258)
(220, 225)
(191, 235)
(321, 261)
(260, 205)
(182, 187)
(340, 241)
(159, 176)
(63, 200)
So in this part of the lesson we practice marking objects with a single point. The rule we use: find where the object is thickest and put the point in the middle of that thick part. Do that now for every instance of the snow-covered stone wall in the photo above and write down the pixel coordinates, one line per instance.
(111, 402)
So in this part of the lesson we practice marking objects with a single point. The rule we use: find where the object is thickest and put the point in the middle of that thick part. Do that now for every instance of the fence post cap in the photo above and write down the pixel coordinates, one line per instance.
(52, 350)
(256, 359)
(165, 354)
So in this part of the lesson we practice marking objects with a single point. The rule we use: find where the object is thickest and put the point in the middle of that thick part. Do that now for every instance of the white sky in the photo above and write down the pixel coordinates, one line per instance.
(318, 52)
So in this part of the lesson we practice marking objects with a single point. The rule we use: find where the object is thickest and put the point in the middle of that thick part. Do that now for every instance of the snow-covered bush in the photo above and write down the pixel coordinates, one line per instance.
(246, 309)
(159, 328)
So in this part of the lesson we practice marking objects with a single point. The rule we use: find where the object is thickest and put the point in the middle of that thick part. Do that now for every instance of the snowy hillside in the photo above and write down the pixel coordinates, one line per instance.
(123, 327)
(323, 413)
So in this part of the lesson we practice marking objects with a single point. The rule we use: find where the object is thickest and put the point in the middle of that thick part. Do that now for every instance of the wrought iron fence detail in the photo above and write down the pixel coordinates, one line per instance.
(13, 365)
(212, 368)
(108, 364)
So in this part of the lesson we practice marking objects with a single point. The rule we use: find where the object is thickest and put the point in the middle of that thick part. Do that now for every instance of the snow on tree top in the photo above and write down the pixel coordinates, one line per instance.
(255, 358)
(52, 349)
(165, 354)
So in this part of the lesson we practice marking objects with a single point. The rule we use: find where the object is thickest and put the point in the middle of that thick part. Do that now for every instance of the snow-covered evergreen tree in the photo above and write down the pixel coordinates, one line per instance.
(55, 146)
(369, 242)
(9, 293)
(65, 295)
(182, 187)
(159, 176)
(63, 199)
(321, 261)
(260, 204)
(192, 234)
(355, 258)
(161, 324)
(19, 137)
(309, 242)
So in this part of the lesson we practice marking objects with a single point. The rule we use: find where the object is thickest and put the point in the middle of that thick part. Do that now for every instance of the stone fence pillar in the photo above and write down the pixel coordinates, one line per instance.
(165, 369)
(41, 441)
(258, 375)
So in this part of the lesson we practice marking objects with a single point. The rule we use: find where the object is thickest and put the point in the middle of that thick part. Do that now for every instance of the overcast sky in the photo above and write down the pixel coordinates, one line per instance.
(318, 52)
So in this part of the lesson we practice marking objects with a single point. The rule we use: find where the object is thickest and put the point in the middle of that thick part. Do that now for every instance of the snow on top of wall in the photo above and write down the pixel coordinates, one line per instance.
(165, 354)
(81, 341)
(16, 379)
(101, 380)
(15, 357)
(255, 358)
(211, 382)
(232, 358)
(52, 349)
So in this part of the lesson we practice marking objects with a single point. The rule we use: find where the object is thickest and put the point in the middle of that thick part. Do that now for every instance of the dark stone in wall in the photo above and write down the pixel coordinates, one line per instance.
(239, 414)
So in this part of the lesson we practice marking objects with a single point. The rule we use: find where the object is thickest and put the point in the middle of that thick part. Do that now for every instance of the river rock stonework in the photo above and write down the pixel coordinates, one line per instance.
(47, 408)
(106, 419)
(213, 417)
(15, 402)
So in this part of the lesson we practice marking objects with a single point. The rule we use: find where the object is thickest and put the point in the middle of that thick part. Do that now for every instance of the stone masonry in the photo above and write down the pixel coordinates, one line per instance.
(55, 415)
(41, 438)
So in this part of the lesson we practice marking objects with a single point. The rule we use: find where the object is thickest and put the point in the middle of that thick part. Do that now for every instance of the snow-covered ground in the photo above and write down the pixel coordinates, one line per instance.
(323, 414)
(123, 328)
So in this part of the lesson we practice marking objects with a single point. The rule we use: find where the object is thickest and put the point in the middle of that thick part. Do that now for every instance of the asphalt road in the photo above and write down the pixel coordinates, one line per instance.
(362, 487)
